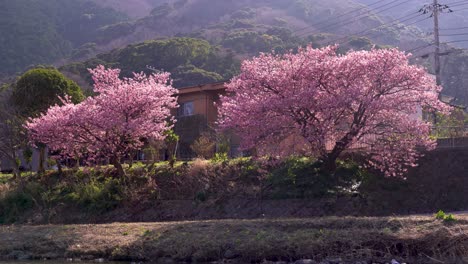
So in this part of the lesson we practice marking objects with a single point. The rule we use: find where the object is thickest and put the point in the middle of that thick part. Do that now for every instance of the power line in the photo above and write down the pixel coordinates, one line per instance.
(370, 29)
(340, 15)
(456, 41)
(462, 4)
(453, 3)
(420, 47)
(460, 10)
(458, 28)
(435, 9)
(458, 34)
(352, 19)
(360, 16)
(387, 24)
(355, 16)
(432, 44)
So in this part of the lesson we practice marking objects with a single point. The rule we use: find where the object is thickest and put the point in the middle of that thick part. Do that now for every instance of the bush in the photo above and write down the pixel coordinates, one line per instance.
(13, 205)
(16, 202)
(304, 178)
(440, 215)
(447, 218)
(220, 157)
(204, 146)
(5, 177)
(96, 196)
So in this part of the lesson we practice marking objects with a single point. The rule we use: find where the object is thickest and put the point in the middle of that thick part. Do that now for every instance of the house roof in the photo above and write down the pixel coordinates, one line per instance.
(452, 101)
(202, 88)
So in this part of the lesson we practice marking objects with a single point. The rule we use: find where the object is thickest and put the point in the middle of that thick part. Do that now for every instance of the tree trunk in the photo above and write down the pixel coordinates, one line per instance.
(132, 156)
(116, 163)
(41, 168)
(329, 160)
(16, 170)
(59, 166)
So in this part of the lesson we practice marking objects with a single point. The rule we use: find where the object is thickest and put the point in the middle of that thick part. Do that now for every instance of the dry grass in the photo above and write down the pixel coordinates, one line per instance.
(4, 188)
(4, 177)
(421, 239)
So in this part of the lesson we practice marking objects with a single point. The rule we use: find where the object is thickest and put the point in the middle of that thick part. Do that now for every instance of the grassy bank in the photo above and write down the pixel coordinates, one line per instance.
(419, 239)
(86, 194)
(227, 189)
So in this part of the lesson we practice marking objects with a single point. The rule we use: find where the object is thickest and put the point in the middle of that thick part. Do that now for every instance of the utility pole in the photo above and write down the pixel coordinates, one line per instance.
(435, 9)
(437, 42)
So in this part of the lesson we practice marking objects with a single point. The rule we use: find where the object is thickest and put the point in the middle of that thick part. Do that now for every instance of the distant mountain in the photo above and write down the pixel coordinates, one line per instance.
(44, 31)
(60, 31)
(74, 32)
(214, 19)
(132, 8)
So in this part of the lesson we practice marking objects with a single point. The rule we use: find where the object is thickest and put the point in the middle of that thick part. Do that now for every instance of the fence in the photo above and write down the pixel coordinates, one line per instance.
(447, 137)
(451, 136)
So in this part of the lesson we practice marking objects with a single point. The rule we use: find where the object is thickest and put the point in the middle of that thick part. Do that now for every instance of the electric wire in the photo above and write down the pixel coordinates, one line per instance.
(394, 22)
(355, 18)
(339, 15)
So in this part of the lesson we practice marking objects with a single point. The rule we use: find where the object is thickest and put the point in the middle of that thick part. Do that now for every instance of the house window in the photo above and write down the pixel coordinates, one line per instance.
(185, 109)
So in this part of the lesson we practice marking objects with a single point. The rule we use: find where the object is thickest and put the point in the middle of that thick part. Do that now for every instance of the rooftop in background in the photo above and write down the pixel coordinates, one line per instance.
(203, 87)
(452, 101)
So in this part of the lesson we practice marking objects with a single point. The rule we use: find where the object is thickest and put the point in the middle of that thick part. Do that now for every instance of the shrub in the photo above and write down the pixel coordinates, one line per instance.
(220, 157)
(4, 178)
(198, 167)
(15, 202)
(440, 215)
(96, 196)
(304, 178)
(204, 146)
(447, 218)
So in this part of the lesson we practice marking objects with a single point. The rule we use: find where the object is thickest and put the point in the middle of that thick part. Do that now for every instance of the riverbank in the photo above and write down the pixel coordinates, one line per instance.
(415, 239)
(233, 189)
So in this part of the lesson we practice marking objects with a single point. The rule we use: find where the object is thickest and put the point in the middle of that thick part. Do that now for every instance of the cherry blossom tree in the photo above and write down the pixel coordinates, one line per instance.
(123, 115)
(333, 103)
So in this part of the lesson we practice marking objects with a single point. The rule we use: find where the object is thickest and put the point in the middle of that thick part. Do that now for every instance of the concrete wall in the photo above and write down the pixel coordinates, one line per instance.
(6, 164)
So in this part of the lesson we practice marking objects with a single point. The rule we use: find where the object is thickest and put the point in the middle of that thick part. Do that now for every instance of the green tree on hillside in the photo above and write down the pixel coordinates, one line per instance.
(39, 88)
(190, 61)
(189, 75)
(12, 132)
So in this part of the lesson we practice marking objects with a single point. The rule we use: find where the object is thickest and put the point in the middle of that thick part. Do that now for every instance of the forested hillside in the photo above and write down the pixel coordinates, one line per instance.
(228, 22)
(234, 29)
(191, 61)
(133, 8)
(42, 32)
(70, 32)
(54, 31)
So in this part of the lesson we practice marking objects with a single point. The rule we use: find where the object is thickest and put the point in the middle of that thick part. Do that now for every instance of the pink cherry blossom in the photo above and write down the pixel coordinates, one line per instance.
(120, 118)
(334, 102)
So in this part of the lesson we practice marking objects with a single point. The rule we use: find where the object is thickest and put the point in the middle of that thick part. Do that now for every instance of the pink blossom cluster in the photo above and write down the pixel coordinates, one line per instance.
(371, 98)
(120, 118)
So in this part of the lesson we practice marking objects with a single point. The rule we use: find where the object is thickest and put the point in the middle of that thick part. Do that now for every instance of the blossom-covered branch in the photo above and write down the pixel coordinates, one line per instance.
(123, 114)
(334, 102)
